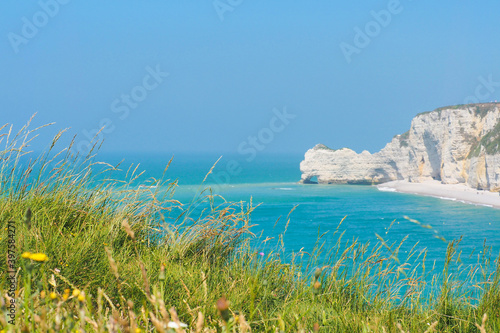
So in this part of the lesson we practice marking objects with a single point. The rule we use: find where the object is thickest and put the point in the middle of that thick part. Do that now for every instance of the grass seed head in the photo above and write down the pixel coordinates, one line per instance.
(128, 229)
(317, 273)
(27, 218)
(162, 276)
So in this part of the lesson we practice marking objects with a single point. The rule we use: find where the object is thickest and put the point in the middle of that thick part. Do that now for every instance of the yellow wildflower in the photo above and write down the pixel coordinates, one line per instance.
(40, 257)
(42, 294)
(81, 297)
(53, 295)
(26, 255)
(138, 330)
(76, 292)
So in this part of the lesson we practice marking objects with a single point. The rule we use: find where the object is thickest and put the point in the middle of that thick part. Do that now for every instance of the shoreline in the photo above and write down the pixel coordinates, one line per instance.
(454, 192)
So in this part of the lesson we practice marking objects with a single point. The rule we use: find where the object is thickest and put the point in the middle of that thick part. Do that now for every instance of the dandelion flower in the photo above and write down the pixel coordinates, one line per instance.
(53, 295)
(26, 255)
(66, 294)
(76, 292)
(40, 257)
(81, 297)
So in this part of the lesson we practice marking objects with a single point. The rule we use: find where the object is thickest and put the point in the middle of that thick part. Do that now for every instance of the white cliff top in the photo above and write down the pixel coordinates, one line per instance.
(454, 145)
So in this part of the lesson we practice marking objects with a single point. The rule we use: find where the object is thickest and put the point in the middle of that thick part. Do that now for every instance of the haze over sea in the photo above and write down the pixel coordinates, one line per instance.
(272, 182)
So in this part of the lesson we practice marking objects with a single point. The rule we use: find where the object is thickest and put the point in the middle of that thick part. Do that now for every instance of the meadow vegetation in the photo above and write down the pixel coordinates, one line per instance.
(96, 253)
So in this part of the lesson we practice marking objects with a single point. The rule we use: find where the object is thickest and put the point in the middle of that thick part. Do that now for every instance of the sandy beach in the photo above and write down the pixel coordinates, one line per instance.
(455, 192)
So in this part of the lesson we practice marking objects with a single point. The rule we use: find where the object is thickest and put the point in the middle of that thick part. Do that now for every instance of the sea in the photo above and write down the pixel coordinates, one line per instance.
(304, 213)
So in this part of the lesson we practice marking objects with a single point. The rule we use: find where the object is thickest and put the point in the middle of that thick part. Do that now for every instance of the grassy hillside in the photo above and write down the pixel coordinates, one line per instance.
(90, 253)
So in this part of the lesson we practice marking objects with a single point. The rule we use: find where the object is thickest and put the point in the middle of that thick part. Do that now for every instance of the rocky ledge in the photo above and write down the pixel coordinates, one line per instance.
(455, 145)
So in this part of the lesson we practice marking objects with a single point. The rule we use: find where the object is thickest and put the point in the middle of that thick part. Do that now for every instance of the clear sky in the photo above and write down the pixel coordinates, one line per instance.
(207, 76)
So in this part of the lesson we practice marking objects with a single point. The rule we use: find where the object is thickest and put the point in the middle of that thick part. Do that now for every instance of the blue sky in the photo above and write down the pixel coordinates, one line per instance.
(234, 65)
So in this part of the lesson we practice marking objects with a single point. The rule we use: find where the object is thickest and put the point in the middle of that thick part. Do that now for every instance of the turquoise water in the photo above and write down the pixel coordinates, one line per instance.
(272, 182)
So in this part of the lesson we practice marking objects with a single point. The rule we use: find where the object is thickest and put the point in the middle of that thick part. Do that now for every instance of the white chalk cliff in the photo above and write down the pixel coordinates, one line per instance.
(456, 144)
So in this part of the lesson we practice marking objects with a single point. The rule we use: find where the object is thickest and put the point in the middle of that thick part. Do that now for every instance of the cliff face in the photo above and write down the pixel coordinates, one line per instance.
(458, 144)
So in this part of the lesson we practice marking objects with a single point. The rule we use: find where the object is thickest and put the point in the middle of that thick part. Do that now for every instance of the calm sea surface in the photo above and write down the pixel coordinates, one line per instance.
(272, 182)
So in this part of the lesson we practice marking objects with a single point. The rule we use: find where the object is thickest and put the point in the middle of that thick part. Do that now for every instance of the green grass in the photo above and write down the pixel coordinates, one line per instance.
(140, 260)
(403, 139)
(479, 109)
(322, 146)
(489, 143)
